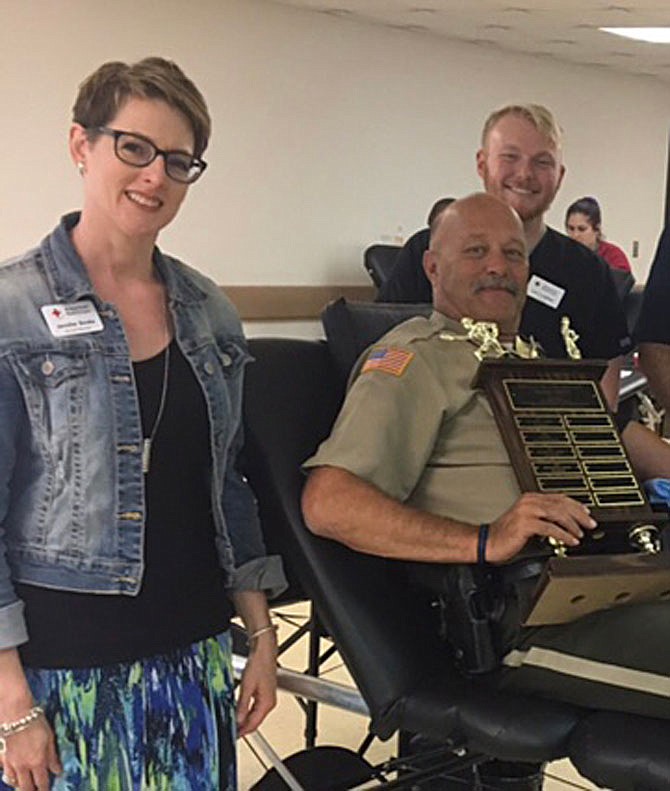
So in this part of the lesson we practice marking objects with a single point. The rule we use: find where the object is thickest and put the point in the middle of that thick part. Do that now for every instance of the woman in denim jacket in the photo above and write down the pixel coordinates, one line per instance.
(127, 536)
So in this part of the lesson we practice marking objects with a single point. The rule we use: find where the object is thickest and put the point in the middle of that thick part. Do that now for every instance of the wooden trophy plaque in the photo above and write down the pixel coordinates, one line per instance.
(561, 438)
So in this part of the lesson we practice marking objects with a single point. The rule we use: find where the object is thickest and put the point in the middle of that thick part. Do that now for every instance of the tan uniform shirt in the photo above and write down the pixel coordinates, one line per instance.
(414, 427)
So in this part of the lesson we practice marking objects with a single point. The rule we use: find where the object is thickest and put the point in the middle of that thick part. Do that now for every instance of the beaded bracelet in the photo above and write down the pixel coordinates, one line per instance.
(8, 728)
(263, 630)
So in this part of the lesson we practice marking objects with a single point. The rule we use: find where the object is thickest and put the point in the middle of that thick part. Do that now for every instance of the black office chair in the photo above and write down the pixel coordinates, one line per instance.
(391, 649)
(632, 304)
(623, 281)
(352, 326)
(378, 260)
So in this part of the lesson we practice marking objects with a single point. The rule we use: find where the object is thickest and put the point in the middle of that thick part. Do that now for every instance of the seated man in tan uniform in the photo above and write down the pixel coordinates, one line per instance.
(415, 469)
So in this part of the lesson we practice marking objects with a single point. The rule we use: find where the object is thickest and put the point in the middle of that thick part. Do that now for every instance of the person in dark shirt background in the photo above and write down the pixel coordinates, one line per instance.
(407, 276)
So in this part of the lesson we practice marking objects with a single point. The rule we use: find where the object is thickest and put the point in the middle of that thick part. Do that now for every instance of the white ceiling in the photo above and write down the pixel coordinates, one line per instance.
(564, 30)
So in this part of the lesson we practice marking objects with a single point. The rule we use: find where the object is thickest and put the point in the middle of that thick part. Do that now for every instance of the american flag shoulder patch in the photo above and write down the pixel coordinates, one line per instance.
(388, 360)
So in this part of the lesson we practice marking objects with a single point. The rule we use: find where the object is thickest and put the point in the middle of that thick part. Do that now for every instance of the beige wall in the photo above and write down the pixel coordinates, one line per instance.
(328, 134)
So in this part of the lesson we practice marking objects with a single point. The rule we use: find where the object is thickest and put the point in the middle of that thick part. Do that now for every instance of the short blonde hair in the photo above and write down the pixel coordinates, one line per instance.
(103, 93)
(536, 114)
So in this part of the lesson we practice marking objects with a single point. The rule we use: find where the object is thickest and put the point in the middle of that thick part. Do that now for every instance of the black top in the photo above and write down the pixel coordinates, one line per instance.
(590, 299)
(182, 598)
(653, 324)
(407, 281)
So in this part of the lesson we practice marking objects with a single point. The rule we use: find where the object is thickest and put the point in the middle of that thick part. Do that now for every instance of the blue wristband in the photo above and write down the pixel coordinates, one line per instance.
(482, 538)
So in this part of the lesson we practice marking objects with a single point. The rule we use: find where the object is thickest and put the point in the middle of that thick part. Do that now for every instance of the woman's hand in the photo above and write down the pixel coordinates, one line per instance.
(30, 756)
(258, 687)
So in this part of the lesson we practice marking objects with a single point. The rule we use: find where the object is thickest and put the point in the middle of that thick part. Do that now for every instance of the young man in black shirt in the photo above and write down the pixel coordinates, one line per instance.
(521, 162)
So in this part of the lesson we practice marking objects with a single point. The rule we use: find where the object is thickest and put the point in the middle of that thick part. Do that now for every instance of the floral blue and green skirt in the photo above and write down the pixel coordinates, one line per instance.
(166, 723)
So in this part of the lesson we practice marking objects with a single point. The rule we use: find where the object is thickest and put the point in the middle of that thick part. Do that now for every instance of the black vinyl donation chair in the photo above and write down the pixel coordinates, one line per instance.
(379, 260)
(385, 636)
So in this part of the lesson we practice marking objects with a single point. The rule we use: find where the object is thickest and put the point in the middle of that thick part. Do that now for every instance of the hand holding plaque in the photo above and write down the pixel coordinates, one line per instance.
(562, 438)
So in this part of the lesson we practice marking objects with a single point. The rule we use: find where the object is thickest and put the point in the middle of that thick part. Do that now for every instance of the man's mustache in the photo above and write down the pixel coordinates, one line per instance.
(495, 281)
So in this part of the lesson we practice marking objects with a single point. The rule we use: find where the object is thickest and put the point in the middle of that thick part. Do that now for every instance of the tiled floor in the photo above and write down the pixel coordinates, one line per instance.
(284, 728)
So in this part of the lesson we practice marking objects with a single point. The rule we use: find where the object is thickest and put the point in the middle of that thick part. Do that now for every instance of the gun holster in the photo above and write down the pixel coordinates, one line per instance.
(470, 606)
(478, 608)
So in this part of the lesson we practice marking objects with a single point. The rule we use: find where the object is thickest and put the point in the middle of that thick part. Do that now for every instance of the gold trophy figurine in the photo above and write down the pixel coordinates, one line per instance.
(570, 338)
(526, 349)
(485, 334)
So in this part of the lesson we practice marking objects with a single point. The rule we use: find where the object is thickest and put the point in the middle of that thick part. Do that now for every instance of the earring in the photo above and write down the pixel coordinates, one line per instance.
(81, 168)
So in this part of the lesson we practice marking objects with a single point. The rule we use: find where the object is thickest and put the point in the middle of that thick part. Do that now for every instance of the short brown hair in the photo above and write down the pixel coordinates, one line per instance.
(103, 93)
(538, 115)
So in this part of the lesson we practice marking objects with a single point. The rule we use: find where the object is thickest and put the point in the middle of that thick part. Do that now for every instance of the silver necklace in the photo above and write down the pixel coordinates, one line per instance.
(147, 442)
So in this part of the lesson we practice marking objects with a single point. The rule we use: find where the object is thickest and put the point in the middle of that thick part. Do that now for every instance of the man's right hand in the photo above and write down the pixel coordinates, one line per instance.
(544, 515)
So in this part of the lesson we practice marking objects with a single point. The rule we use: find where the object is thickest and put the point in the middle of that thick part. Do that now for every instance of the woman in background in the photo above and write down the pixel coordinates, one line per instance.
(127, 535)
(583, 222)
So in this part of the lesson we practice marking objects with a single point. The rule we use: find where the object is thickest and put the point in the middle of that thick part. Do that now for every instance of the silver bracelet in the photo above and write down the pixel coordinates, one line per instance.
(263, 630)
(8, 728)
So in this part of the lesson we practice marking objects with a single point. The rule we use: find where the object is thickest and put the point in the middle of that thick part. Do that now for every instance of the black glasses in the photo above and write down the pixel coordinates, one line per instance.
(139, 152)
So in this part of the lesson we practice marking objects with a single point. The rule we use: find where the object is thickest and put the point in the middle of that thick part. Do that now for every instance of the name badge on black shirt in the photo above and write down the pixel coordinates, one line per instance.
(545, 292)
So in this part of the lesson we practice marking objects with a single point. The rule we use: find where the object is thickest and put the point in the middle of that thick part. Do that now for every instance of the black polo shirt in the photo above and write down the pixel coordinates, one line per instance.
(590, 300)
(407, 281)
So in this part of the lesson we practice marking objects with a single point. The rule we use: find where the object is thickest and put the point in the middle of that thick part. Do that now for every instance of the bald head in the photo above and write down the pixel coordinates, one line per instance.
(477, 209)
(477, 262)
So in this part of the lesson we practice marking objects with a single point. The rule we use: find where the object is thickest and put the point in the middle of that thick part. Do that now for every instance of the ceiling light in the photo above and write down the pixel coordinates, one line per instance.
(655, 35)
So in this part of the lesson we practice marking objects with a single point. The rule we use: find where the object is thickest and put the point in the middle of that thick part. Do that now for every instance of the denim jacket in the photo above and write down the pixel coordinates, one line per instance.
(72, 504)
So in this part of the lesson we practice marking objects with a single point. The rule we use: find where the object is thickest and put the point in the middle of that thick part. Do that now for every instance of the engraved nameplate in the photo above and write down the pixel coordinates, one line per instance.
(561, 436)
